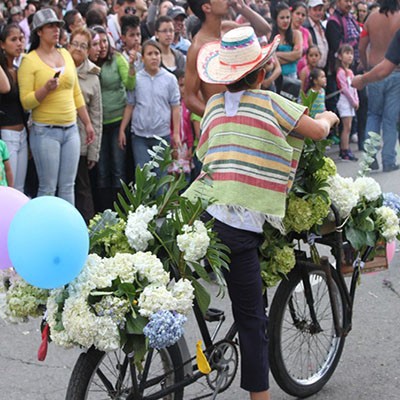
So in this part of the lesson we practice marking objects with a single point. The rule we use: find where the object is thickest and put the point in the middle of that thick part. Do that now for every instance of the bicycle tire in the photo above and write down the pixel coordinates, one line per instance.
(95, 370)
(301, 359)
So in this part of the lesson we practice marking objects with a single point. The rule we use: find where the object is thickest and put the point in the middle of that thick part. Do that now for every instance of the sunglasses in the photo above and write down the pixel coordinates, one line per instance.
(130, 10)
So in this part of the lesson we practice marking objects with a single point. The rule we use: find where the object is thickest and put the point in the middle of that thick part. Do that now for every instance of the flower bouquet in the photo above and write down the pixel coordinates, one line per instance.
(141, 277)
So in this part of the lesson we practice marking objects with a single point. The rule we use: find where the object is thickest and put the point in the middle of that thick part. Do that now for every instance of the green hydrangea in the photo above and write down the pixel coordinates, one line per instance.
(110, 240)
(320, 209)
(299, 215)
(279, 264)
(327, 170)
(24, 300)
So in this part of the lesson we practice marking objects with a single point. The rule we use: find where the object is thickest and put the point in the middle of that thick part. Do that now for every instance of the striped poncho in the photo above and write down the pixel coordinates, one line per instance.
(249, 159)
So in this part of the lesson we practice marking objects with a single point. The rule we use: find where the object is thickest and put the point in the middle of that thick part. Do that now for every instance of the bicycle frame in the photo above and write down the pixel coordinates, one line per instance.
(335, 241)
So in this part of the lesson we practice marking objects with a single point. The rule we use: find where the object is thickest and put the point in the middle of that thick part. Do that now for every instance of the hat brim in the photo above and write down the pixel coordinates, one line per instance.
(211, 70)
(58, 22)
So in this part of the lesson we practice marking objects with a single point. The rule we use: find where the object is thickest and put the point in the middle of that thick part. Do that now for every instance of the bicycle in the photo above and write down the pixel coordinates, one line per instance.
(309, 319)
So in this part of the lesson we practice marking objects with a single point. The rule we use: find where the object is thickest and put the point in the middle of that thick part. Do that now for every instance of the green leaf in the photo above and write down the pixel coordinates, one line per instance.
(200, 271)
(135, 326)
(356, 237)
(202, 296)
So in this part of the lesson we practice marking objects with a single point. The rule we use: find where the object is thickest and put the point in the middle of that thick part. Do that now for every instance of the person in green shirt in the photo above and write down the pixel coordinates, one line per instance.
(6, 176)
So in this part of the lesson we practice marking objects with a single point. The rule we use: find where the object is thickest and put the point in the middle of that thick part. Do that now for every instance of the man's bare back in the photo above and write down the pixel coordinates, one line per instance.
(378, 39)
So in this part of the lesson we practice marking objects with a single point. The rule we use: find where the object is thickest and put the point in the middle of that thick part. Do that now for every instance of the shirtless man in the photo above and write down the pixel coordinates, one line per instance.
(211, 13)
(383, 96)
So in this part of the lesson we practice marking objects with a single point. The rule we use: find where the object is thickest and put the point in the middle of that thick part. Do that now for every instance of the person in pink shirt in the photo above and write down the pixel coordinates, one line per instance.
(348, 99)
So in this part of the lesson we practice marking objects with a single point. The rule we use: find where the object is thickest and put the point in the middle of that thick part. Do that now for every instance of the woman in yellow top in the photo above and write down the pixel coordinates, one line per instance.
(48, 85)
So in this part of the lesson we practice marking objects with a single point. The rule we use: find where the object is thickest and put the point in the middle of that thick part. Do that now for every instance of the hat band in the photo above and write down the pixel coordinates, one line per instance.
(242, 64)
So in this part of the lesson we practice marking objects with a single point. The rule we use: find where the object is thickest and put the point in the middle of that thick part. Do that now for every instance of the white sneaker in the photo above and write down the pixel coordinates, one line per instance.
(354, 138)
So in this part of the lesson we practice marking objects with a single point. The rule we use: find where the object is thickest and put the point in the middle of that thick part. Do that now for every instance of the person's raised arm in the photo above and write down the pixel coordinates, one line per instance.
(317, 128)
(260, 25)
(193, 100)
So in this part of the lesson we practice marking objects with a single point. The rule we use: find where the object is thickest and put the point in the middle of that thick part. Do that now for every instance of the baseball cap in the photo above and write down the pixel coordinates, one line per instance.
(176, 11)
(315, 3)
(15, 10)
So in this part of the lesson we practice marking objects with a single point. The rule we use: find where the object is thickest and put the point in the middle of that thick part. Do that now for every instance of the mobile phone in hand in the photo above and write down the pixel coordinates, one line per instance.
(57, 74)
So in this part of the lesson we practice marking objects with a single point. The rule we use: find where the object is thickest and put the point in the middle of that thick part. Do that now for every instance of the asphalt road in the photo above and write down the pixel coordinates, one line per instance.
(369, 367)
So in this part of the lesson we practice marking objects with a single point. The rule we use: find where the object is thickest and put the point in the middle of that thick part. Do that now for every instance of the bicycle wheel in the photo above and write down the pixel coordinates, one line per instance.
(304, 354)
(98, 375)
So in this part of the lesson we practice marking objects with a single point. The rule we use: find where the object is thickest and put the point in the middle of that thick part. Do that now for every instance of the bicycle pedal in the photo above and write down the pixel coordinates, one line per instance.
(213, 314)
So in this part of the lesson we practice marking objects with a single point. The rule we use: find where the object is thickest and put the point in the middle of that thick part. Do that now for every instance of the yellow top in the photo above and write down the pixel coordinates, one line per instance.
(59, 106)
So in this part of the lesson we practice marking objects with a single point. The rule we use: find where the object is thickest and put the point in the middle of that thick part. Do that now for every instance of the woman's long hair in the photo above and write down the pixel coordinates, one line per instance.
(110, 51)
(5, 31)
(275, 31)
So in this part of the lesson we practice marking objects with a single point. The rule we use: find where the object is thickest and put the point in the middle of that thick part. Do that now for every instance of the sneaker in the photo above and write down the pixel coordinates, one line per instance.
(347, 155)
(390, 167)
(375, 165)
(354, 138)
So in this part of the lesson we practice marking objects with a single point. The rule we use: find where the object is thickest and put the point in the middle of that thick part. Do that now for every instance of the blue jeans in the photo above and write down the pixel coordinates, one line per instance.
(111, 165)
(56, 153)
(383, 111)
(17, 145)
(140, 147)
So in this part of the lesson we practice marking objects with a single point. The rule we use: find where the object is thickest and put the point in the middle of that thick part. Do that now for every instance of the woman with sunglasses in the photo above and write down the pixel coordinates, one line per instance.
(88, 75)
(116, 77)
(48, 85)
(12, 117)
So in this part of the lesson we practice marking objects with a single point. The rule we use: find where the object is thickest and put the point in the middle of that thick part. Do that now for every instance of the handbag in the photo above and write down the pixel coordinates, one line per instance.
(290, 88)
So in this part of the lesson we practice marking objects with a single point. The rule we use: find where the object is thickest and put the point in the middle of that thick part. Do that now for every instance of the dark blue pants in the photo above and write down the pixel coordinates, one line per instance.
(248, 304)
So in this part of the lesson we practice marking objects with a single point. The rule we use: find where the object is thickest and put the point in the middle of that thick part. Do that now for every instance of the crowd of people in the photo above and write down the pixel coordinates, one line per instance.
(86, 87)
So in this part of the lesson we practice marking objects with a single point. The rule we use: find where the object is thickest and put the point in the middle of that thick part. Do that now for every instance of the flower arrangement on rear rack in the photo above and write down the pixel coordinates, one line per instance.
(124, 296)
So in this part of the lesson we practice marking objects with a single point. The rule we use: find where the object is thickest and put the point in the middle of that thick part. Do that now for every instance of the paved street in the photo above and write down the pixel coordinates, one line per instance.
(369, 368)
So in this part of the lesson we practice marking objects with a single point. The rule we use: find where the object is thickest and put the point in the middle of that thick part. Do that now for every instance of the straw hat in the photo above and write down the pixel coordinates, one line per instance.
(236, 55)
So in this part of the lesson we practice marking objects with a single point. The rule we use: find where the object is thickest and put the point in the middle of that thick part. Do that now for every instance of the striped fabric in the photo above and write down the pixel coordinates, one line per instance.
(249, 159)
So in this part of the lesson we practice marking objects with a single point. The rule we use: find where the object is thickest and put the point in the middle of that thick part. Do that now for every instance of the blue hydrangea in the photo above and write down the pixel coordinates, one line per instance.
(392, 201)
(164, 329)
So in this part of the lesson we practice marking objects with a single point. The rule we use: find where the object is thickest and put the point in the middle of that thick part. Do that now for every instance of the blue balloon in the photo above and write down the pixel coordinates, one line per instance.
(48, 242)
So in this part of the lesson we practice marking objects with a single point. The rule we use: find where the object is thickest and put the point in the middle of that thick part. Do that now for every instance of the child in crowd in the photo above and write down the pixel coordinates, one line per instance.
(348, 100)
(131, 39)
(183, 162)
(313, 55)
(151, 106)
(6, 175)
(317, 83)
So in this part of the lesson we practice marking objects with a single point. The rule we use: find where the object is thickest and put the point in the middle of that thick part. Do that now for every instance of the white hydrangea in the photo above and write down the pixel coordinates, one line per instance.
(122, 266)
(87, 329)
(368, 188)
(388, 223)
(343, 194)
(194, 241)
(136, 227)
(155, 298)
(184, 294)
(150, 267)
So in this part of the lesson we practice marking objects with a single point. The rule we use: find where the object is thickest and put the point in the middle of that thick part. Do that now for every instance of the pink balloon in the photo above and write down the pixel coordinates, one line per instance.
(390, 250)
(11, 200)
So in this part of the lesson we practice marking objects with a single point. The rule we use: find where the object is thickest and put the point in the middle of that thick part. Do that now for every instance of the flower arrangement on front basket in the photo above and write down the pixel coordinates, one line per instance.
(368, 216)
(139, 280)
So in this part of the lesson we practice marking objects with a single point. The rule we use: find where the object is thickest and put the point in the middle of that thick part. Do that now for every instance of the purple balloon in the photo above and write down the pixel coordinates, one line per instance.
(11, 200)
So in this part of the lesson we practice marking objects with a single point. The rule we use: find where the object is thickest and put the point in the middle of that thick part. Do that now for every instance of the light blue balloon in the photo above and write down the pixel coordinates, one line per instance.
(48, 242)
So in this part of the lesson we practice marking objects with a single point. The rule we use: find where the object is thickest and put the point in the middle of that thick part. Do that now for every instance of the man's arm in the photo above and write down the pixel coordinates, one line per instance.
(379, 72)
(192, 83)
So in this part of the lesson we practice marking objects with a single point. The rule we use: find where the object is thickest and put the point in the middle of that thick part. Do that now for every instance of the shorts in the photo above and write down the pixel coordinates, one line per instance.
(345, 109)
